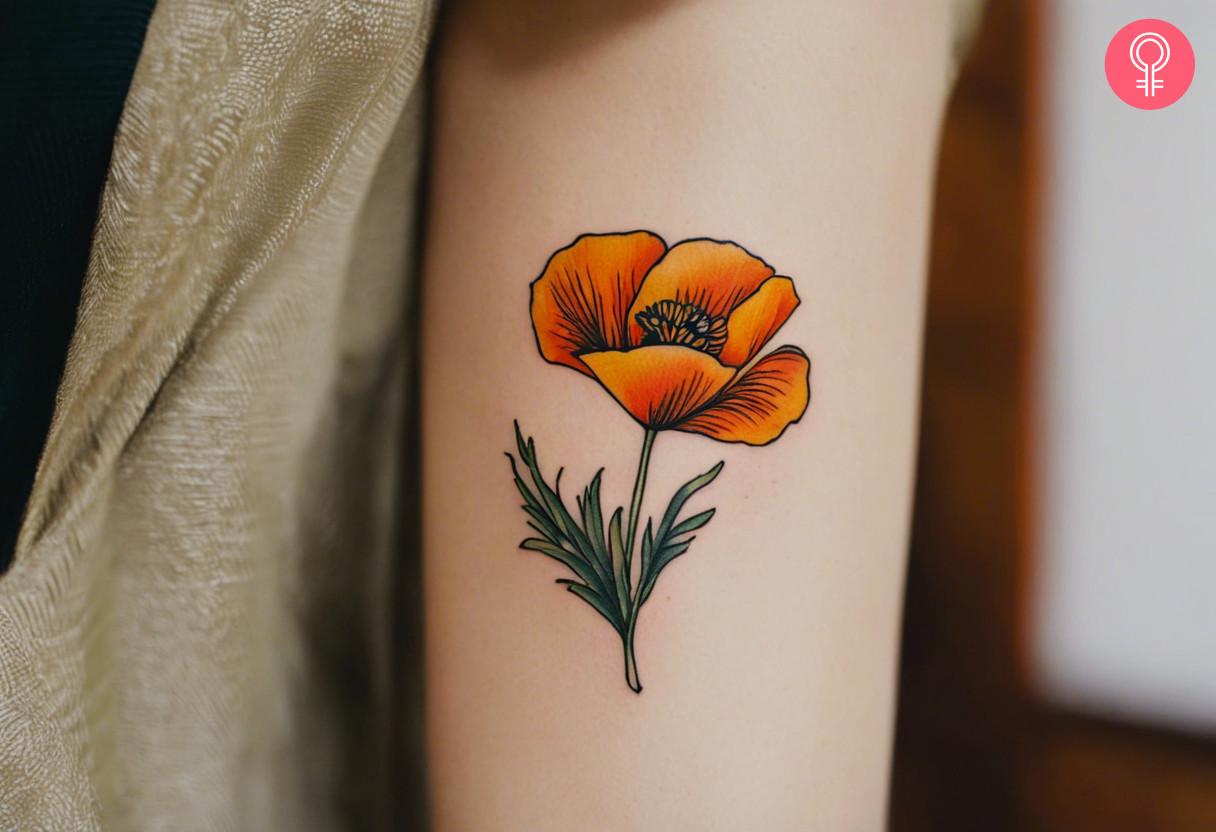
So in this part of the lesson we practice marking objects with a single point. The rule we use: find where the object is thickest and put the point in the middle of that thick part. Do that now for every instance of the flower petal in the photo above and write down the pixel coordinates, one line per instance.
(580, 301)
(715, 276)
(758, 407)
(659, 385)
(757, 319)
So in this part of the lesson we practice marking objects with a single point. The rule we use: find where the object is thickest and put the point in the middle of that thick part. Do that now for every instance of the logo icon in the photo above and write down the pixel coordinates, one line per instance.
(1150, 83)
(1149, 64)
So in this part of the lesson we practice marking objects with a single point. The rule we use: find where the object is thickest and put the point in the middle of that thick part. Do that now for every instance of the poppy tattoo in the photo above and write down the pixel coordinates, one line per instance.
(673, 334)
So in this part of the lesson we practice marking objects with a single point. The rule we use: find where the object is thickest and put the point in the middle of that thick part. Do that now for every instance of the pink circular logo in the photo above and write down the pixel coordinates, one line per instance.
(1150, 64)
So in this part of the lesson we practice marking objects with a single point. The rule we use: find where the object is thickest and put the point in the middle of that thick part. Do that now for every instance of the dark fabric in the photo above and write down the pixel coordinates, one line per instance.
(65, 66)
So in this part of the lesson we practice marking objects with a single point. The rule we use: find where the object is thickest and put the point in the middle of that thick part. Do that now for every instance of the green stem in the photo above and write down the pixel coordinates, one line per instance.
(631, 661)
(639, 487)
(635, 512)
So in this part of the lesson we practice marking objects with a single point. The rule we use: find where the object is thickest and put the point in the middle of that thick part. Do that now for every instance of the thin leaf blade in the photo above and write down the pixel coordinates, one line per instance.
(597, 603)
(571, 561)
(668, 541)
(620, 563)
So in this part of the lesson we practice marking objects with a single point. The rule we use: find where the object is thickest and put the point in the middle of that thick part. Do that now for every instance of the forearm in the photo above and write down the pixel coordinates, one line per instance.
(766, 652)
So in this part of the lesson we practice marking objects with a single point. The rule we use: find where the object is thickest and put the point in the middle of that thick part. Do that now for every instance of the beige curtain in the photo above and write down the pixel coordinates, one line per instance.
(194, 632)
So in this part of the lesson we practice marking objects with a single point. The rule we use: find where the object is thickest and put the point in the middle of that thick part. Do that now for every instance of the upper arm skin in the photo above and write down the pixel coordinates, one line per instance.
(807, 132)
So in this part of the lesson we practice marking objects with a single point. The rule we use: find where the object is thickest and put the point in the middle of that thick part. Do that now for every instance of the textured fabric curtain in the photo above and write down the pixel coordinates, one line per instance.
(194, 630)
(64, 72)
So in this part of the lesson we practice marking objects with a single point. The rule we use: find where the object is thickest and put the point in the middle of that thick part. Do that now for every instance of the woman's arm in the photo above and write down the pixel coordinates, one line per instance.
(766, 653)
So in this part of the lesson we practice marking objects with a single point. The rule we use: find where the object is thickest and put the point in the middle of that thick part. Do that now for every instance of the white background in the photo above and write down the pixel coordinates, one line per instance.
(1125, 615)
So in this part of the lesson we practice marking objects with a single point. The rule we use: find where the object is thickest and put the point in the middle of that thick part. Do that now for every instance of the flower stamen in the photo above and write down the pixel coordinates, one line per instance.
(683, 324)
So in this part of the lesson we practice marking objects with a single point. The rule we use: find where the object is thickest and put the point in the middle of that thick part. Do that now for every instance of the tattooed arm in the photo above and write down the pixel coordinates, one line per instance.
(648, 221)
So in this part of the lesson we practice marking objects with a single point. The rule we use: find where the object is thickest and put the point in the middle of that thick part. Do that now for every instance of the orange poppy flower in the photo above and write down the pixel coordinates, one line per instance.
(673, 334)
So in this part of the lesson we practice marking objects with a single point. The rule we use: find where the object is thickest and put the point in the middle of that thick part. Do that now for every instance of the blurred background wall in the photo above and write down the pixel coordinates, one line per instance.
(988, 738)
(1124, 430)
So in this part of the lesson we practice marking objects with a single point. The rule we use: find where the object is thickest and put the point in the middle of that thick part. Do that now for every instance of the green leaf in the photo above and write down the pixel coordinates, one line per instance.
(541, 522)
(666, 555)
(593, 598)
(681, 497)
(620, 563)
(548, 502)
(593, 525)
(524, 491)
(584, 552)
(668, 542)
(520, 444)
(574, 563)
(553, 503)
(692, 523)
(647, 549)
